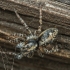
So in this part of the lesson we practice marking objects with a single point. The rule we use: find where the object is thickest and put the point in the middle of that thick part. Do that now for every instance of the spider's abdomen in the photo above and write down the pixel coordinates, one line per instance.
(48, 36)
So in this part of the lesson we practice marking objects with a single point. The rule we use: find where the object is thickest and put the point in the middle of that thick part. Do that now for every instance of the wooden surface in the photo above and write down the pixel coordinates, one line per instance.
(55, 14)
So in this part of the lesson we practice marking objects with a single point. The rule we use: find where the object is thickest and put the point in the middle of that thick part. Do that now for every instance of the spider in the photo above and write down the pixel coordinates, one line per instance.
(34, 41)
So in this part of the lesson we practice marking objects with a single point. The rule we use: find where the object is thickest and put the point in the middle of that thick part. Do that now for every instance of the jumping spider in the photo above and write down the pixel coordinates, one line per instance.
(34, 41)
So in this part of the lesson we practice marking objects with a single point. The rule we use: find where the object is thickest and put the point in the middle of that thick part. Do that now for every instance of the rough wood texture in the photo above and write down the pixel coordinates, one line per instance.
(55, 14)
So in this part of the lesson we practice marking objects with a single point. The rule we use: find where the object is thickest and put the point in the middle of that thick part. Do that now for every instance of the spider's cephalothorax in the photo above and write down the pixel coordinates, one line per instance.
(34, 41)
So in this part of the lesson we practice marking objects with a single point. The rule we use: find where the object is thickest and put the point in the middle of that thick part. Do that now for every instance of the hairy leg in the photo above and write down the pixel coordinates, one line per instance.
(54, 49)
(23, 22)
(40, 21)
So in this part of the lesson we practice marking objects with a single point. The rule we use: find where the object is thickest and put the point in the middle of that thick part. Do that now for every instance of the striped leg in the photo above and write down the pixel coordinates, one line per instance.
(54, 49)
(23, 22)
(40, 21)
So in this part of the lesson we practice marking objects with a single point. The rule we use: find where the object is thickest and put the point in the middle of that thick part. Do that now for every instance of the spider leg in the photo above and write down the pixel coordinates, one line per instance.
(40, 21)
(24, 54)
(15, 40)
(30, 54)
(55, 49)
(40, 53)
(51, 51)
(47, 51)
(19, 56)
(18, 37)
(23, 22)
